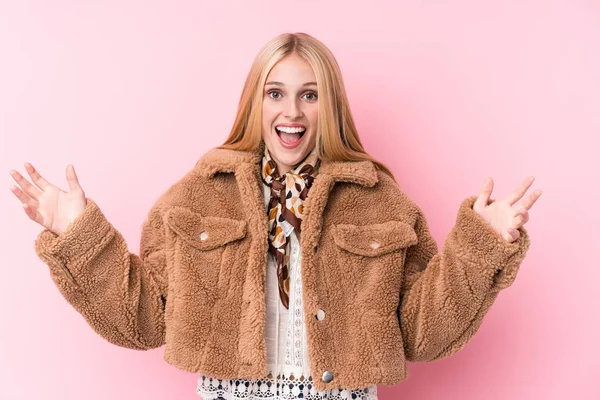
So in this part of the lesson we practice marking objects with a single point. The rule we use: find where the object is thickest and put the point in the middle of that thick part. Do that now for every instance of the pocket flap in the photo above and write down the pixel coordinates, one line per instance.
(374, 239)
(204, 232)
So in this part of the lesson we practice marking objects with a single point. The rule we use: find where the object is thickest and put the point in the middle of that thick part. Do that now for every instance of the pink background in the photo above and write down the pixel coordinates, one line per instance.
(446, 93)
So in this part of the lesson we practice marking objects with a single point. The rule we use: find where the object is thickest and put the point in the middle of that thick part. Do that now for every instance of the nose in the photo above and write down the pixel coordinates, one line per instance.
(292, 109)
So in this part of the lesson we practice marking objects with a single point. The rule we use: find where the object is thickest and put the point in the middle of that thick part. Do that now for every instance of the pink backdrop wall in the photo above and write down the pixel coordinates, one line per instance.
(446, 93)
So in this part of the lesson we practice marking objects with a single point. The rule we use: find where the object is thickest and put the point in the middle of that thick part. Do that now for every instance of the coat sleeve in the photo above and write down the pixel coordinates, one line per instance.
(445, 295)
(121, 295)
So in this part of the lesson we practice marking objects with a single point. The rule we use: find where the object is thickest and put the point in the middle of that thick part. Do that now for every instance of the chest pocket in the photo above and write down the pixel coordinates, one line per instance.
(374, 240)
(206, 249)
(370, 260)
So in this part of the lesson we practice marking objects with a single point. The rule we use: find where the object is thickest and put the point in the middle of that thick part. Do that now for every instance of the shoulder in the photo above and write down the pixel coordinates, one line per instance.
(379, 200)
(388, 191)
(188, 188)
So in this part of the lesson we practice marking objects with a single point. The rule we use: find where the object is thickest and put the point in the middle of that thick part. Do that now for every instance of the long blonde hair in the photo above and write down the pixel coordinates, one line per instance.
(337, 138)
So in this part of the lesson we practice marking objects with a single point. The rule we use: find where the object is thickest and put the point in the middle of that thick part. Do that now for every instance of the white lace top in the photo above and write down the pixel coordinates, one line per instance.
(289, 374)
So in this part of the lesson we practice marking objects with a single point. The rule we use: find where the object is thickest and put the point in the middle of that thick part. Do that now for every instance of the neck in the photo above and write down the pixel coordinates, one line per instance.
(283, 169)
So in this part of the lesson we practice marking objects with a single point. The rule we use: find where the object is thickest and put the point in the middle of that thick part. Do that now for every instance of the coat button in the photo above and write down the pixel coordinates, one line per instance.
(320, 315)
(203, 236)
(375, 244)
(327, 376)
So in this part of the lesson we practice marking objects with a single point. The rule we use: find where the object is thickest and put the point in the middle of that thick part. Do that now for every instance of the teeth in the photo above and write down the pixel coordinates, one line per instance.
(290, 130)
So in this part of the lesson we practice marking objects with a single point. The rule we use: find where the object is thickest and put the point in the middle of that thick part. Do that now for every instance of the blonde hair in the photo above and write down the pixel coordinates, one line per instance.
(337, 138)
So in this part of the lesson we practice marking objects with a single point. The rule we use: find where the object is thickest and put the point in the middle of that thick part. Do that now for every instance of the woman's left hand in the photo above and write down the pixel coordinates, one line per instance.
(504, 215)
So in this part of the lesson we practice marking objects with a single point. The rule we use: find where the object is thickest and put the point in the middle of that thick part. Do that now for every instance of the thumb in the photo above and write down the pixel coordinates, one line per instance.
(486, 191)
(72, 178)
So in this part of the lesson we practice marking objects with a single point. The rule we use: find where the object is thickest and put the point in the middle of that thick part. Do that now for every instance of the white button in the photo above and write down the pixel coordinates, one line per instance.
(375, 244)
(203, 236)
(320, 315)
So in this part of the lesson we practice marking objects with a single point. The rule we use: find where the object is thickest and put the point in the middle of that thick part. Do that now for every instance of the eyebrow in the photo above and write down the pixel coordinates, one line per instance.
(275, 83)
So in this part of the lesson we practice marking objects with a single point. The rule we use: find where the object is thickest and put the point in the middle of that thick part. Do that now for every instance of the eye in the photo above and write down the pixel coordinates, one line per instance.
(311, 96)
(271, 94)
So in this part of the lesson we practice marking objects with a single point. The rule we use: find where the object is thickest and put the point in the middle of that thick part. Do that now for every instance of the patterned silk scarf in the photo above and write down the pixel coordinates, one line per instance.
(285, 210)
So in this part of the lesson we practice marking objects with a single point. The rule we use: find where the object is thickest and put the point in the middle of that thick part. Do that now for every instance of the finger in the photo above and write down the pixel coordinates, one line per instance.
(25, 199)
(72, 178)
(531, 199)
(512, 234)
(33, 214)
(484, 195)
(36, 177)
(525, 215)
(520, 191)
(521, 218)
(27, 187)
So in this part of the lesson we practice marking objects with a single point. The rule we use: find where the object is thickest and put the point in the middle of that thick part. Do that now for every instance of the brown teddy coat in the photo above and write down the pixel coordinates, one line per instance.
(369, 263)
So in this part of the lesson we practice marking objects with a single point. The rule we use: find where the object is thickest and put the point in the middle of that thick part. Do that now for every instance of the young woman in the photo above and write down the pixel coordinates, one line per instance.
(287, 263)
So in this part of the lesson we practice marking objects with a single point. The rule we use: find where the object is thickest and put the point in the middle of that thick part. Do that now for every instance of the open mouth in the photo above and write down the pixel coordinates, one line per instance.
(289, 135)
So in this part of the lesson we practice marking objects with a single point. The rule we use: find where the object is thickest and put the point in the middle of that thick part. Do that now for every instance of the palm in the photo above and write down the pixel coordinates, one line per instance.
(58, 208)
(47, 204)
(504, 215)
(498, 215)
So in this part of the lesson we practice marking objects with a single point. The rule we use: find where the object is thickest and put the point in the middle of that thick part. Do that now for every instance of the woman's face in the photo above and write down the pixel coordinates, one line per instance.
(290, 112)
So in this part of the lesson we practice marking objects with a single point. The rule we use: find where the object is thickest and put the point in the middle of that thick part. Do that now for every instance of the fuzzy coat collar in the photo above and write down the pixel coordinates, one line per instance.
(224, 160)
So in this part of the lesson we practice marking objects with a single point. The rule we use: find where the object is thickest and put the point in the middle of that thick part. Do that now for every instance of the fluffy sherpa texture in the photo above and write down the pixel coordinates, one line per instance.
(198, 284)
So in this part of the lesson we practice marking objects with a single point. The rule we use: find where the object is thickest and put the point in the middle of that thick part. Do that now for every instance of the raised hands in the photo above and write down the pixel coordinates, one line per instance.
(504, 215)
(47, 204)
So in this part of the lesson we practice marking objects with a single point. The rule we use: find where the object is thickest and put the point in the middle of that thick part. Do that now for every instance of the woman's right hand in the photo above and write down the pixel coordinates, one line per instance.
(47, 204)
